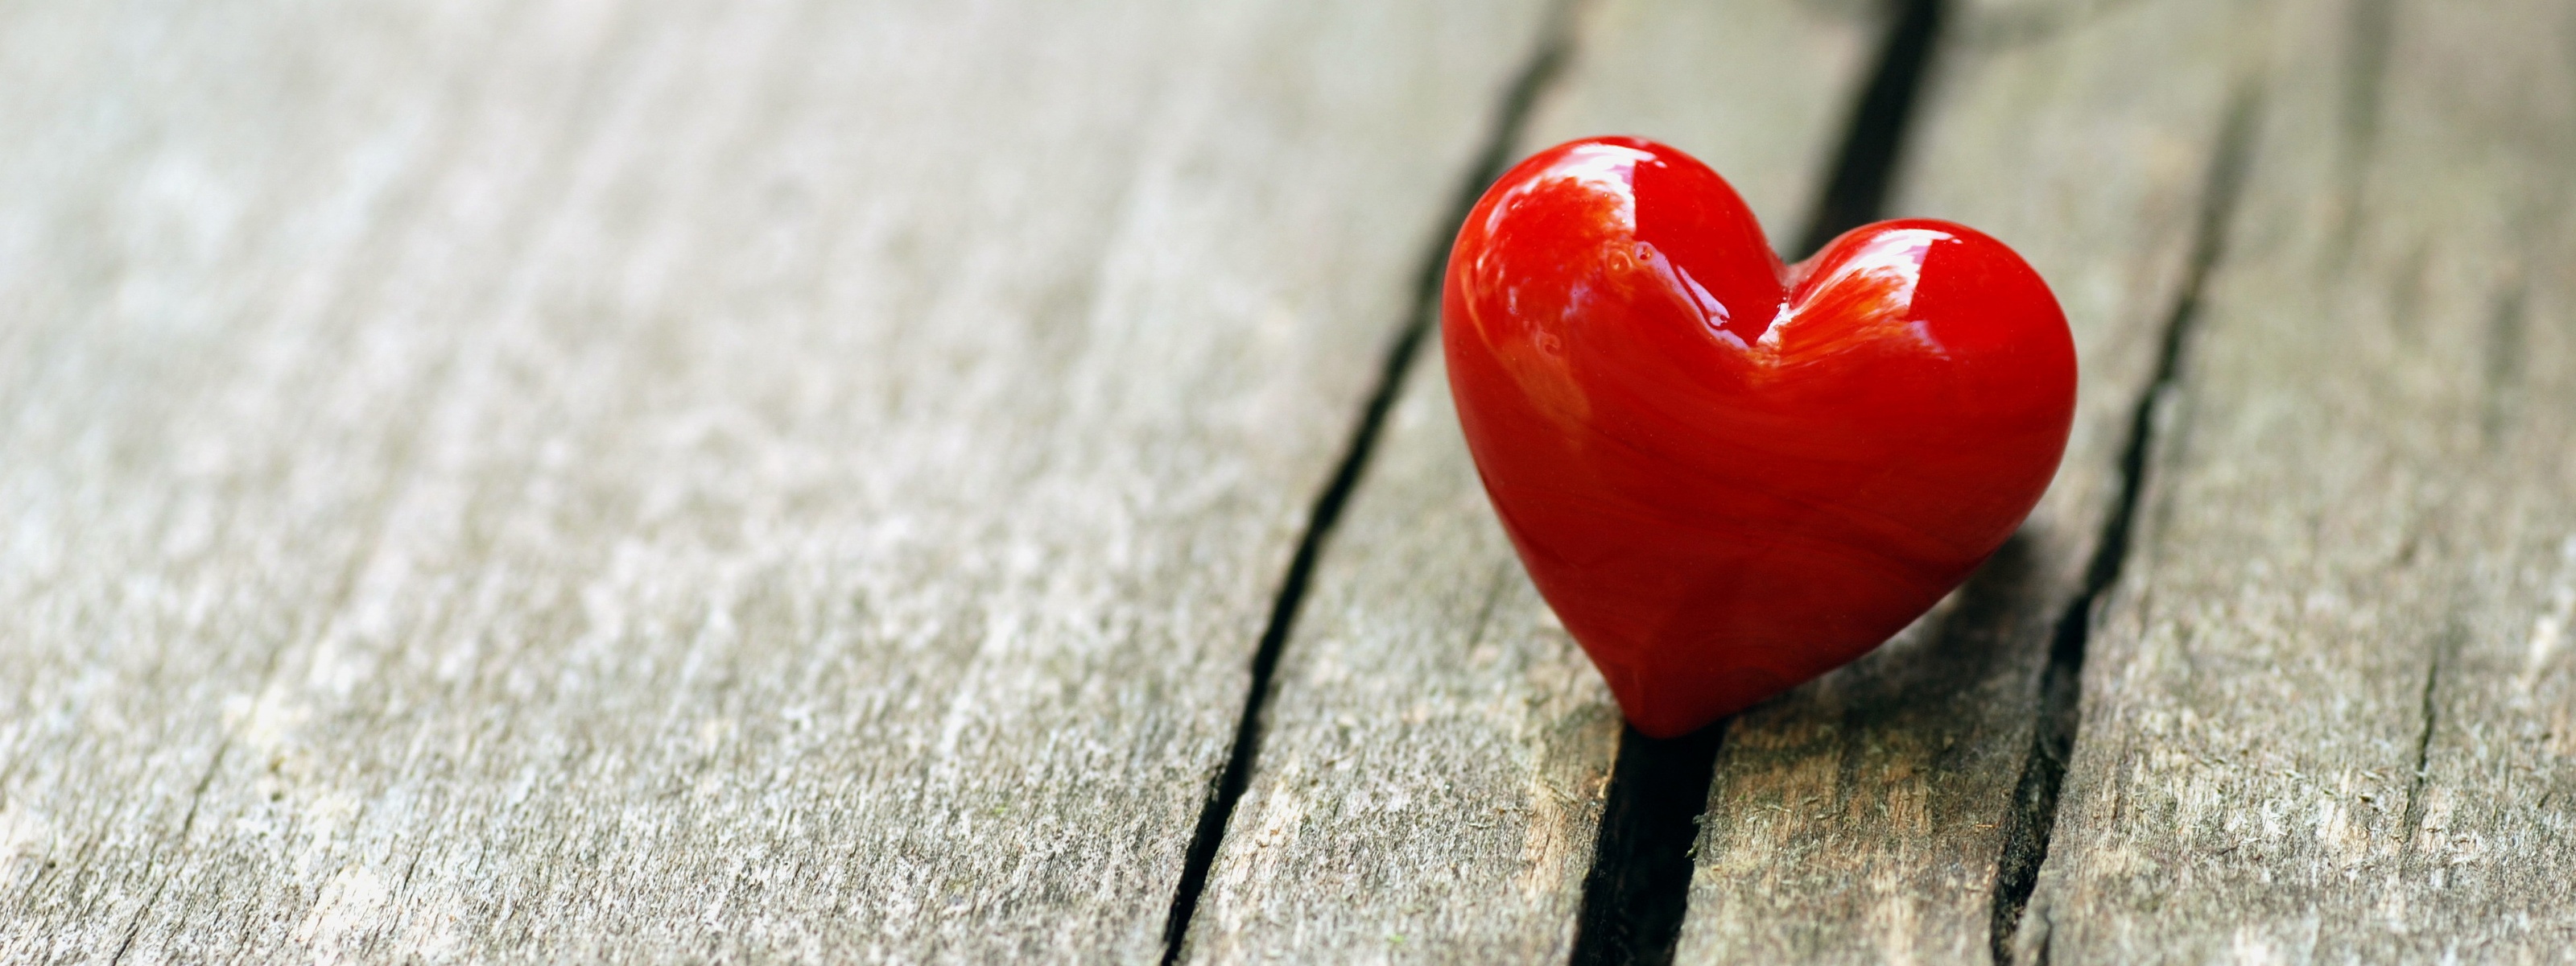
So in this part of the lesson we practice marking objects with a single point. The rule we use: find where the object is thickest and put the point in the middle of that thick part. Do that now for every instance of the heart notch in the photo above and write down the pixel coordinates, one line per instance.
(1729, 475)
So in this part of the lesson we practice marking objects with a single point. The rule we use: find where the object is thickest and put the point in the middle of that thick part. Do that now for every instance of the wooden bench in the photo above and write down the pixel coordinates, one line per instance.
(554, 480)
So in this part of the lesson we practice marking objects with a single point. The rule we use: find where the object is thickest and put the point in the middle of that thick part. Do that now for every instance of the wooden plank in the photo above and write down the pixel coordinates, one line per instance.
(2330, 715)
(1429, 779)
(667, 481)
(1864, 818)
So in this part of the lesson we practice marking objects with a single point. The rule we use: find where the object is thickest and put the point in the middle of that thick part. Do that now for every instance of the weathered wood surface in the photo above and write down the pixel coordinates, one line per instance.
(1429, 779)
(662, 481)
(1863, 818)
(668, 481)
(2330, 714)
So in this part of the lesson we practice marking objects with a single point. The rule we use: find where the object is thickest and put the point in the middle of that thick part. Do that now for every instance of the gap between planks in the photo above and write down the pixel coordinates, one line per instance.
(2035, 796)
(1546, 63)
(1638, 891)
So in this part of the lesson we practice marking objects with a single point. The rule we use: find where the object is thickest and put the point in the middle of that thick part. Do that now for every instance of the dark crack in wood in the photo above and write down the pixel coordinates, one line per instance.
(1555, 47)
(2035, 796)
(1638, 891)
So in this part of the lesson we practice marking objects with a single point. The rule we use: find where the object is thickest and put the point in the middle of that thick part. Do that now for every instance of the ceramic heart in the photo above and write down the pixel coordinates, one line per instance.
(1727, 475)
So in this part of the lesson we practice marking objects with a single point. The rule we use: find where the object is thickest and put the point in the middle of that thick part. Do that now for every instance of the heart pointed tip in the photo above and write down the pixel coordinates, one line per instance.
(1678, 722)
(1667, 729)
(1675, 704)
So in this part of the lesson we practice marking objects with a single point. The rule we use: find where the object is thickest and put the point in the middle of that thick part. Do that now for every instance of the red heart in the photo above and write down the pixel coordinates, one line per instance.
(1727, 475)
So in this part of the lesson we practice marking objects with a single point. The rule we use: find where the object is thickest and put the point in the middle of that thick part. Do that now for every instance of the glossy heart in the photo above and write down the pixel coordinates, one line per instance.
(1727, 475)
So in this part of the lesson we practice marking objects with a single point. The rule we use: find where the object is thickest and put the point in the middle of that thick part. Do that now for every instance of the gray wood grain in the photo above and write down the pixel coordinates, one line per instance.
(1429, 781)
(670, 481)
(1862, 818)
(2330, 715)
